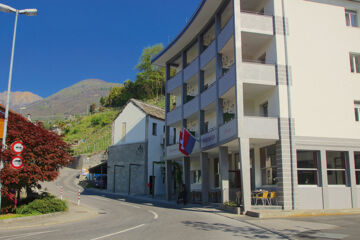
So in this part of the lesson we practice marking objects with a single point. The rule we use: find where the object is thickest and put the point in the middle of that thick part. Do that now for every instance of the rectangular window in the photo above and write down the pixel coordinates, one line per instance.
(191, 54)
(195, 176)
(208, 37)
(307, 165)
(123, 131)
(351, 18)
(226, 14)
(336, 167)
(154, 129)
(355, 63)
(357, 167)
(216, 173)
(268, 165)
(264, 109)
(357, 110)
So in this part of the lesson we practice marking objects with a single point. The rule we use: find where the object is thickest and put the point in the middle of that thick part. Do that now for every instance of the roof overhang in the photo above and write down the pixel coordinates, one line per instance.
(200, 18)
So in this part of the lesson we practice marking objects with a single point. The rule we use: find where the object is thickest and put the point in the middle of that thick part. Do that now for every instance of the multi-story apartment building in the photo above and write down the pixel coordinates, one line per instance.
(269, 89)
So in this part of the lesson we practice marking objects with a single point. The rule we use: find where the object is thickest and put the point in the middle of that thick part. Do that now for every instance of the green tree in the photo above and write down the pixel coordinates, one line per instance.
(92, 108)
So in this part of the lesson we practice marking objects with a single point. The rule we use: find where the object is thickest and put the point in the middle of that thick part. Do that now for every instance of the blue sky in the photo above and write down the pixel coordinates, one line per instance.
(73, 40)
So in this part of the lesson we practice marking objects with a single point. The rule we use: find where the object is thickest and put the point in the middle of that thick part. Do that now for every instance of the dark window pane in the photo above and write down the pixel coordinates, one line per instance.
(357, 160)
(307, 177)
(335, 160)
(357, 177)
(336, 177)
(307, 159)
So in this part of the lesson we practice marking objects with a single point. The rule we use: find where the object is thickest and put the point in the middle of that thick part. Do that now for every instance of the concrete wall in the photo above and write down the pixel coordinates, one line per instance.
(86, 161)
(119, 169)
(135, 125)
(309, 197)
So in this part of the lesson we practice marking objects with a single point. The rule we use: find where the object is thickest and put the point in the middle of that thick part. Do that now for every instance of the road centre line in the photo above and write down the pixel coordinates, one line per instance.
(99, 198)
(154, 213)
(25, 235)
(122, 231)
(127, 204)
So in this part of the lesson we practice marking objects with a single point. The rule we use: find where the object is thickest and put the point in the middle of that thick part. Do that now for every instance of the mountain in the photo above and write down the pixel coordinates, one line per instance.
(70, 101)
(19, 99)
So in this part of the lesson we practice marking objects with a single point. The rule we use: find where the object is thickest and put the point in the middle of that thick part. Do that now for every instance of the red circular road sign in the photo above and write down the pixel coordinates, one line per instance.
(17, 147)
(17, 162)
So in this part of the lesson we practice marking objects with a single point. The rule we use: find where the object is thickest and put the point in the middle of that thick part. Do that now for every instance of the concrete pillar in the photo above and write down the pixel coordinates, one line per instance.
(324, 179)
(186, 174)
(244, 155)
(224, 172)
(204, 162)
(352, 177)
(168, 180)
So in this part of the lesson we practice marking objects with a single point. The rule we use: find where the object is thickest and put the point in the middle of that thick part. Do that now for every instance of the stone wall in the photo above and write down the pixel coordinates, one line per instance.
(127, 168)
(86, 161)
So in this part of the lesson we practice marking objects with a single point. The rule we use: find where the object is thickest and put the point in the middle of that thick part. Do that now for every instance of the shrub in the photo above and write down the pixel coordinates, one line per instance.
(230, 204)
(48, 204)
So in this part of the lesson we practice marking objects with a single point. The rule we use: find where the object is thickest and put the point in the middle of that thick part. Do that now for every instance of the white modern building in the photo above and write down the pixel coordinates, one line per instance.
(269, 88)
(137, 151)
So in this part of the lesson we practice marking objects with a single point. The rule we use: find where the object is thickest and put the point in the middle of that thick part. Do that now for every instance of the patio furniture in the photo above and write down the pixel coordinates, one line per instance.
(272, 198)
(261, 195)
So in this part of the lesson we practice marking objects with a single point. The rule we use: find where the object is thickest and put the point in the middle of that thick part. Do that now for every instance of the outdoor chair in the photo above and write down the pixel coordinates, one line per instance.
(272, 198)
(263, 196)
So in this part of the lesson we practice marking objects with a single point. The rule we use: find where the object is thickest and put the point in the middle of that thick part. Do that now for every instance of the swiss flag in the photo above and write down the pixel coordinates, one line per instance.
(186, 142)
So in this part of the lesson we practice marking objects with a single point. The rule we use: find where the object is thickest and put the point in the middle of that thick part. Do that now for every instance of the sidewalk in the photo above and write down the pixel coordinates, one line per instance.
(75, 213)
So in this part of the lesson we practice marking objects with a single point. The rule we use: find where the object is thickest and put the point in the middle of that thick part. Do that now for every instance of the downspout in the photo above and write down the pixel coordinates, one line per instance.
(289, 105)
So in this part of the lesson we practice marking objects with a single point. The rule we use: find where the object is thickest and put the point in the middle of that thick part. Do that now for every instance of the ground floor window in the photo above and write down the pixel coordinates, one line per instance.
(336, 167)
(307, 165)
(195, 176)
(268, 165)
(357, 167)
(216, 173)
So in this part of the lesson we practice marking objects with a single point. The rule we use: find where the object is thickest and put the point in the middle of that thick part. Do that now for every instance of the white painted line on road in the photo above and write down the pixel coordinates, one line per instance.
(25, 235)
(112, 234)
(100, 198)
(127, 204)
(154, 213)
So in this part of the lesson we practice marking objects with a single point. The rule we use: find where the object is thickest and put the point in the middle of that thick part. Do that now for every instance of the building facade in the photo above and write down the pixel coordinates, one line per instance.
(269, 89)
(137, 151)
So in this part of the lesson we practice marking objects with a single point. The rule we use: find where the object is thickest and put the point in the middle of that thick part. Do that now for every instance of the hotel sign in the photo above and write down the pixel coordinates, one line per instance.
(209, 139)
(227, 130)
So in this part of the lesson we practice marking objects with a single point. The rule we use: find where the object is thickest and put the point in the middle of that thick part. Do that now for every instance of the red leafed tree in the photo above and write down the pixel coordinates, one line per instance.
(44, 154)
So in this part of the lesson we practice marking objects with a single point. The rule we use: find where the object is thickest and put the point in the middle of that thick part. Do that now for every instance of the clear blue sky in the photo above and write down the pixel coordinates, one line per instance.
(72, 40)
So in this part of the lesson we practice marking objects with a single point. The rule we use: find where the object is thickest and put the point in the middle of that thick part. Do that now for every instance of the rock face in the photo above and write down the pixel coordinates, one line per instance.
(70, 101)
(19, 99)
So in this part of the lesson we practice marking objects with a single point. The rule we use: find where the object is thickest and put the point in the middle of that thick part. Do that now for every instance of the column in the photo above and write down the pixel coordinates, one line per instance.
(244, 155)
(352, 177)
(204, 161)
(186, 174)
(168, 179)
(324, 179)
(224, 171)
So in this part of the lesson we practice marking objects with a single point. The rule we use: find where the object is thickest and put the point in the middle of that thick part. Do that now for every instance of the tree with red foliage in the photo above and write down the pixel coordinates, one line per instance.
(44, 154)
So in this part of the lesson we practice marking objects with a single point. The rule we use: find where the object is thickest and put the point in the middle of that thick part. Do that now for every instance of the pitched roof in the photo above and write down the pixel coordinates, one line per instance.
(149, 109)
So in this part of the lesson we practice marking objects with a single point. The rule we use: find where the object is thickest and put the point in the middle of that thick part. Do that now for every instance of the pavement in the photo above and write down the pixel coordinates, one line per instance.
(104, 215)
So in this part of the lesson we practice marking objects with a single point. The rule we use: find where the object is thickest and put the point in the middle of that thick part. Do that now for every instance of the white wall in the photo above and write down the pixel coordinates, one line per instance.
(324, 89)
(135, 125)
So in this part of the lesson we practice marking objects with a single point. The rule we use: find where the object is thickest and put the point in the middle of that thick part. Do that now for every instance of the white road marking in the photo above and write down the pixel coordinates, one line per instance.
(112, 234)
(127, 204)
(100, 198)
(25, 235)
(154, 213)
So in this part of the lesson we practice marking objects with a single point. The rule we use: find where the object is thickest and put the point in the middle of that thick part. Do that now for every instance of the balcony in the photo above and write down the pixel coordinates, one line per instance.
(208, 55)
(174, 82)
(226, 33)
(257, 23)
(208, 96)
(257, 73)
(172, 151)
(191, 70)
(227, 81)
(191, 107)
(174, 116)
(228, 130)
(261, 127)
(209, 139)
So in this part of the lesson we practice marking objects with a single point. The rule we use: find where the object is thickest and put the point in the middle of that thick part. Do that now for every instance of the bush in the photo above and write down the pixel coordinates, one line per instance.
(48, 204)
(230, 204)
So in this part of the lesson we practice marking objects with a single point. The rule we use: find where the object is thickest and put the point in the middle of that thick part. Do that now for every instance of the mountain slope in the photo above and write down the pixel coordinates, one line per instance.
(70, 101)
(19, 99)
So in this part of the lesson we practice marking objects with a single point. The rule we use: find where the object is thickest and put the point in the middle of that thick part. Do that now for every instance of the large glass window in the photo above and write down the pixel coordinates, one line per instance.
(357, 167)
(357, 110)
(351, 18)
(355, 63)
(191, 54)
(336, 167)
(195, 176)
(307, 165)
(209, 36)
(268, 165)
(226, 14)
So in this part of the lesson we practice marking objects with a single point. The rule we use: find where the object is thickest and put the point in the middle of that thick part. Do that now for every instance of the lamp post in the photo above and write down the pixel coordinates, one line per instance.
(27, 12)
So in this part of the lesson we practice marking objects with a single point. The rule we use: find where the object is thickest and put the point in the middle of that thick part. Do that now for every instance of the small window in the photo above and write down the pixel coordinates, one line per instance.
(357, 167)
(264, 109)
(351, 18)
(355, 63)
(268, 165)
(154, 129)
(307, 165)
(195, 176)
(123, 131)
(357, 111)
(336, 167)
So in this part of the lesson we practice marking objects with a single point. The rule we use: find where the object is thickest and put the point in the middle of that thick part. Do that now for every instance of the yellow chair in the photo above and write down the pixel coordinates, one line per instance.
(272, 198)
(263, 196)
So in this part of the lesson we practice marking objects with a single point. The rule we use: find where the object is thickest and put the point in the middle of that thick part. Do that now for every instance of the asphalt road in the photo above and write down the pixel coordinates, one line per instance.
(119, 219)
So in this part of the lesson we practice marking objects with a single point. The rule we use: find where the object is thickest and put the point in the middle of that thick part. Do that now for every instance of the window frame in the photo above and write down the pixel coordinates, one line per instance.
(357, 168)
(154, 129)
(354, 62)
(264, 155)
(357, 111)
(315, 153)
(351, 18)
(337, 170)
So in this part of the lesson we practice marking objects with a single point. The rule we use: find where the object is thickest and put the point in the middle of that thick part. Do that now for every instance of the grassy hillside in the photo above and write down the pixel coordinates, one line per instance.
(91, 133)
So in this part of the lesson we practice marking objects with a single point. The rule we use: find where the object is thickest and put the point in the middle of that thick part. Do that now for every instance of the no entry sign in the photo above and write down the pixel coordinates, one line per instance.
(17, 162)
(17, 147)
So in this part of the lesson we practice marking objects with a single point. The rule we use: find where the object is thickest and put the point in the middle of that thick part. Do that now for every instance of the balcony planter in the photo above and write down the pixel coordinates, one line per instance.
(189, 98)
(228, 117)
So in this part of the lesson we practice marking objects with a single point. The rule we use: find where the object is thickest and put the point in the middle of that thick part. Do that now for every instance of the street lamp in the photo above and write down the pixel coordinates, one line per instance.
(27, 12)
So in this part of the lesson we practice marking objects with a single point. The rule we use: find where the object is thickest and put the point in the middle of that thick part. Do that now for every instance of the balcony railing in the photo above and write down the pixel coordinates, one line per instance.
(261, 127)
(257, 23)
(208, 139)
(174, 116)
(258, 73)
(228, 130)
